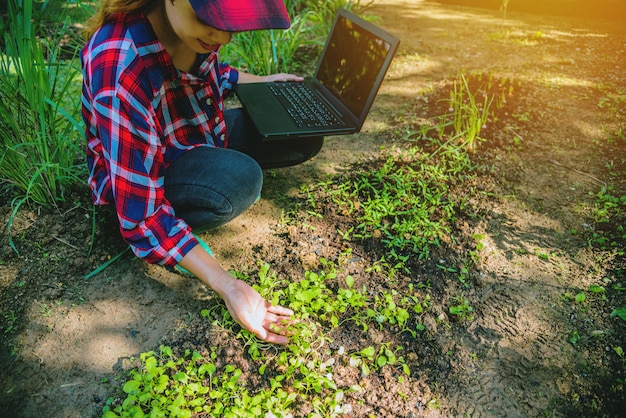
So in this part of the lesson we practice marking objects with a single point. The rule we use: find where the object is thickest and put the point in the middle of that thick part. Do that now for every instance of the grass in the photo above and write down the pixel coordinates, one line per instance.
(77, 11)
(273, 51)
(39, 129)
(403, 201)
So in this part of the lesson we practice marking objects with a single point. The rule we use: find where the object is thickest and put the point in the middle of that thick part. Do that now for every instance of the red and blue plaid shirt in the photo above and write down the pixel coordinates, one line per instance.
(140, 114)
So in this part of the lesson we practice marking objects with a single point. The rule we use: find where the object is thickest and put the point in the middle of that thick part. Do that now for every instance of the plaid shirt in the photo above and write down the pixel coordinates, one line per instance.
(140, 114)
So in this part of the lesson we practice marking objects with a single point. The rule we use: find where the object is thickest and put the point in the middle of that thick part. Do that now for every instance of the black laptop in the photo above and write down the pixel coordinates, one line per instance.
(337, 100)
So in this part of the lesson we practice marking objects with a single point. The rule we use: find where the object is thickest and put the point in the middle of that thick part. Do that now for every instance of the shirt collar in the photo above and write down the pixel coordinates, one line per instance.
(156, 60)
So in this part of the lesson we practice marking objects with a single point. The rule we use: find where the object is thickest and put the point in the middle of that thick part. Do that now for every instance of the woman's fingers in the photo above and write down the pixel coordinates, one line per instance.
(278, 310)
(276, 338)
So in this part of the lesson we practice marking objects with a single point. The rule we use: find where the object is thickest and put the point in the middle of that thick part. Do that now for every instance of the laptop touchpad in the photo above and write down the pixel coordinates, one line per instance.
(261, 104)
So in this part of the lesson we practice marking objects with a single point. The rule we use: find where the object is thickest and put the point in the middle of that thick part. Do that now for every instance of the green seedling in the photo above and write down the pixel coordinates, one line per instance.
(580, 297)
(462, 310)
(462, 273)
(370, 358)
(45, 310)
(620, 313)
(11, 320)
(301, 369)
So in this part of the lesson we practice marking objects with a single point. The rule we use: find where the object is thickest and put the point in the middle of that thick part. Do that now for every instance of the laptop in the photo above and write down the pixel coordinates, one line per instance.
(338, 98)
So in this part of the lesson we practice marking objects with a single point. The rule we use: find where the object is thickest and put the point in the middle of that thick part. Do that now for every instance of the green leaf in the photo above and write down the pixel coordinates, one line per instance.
(349, 281)
(594, 288)
(406, 369)
(166, 351)
(132, 386)
(162, 384)
(206, 368)
(621, 312)
(151, 366)
(368, 352)
(381, 361)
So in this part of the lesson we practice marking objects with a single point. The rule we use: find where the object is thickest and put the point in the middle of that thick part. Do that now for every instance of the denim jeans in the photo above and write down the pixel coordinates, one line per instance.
(243, 136)
(208, 187)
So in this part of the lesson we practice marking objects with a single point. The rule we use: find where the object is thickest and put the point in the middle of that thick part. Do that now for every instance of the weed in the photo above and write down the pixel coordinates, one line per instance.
(11, 319)
(45, 310)
(468, 116)
(404, 203)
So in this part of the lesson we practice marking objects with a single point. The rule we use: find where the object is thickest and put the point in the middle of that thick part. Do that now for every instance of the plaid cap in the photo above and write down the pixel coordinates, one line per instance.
(242, 15)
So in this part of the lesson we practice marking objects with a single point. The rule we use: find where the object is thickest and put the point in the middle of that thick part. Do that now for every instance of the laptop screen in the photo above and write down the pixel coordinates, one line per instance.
(351, 64)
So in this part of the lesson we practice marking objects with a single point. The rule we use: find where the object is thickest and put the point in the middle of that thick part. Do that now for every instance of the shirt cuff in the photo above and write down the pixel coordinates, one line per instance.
(182, 248)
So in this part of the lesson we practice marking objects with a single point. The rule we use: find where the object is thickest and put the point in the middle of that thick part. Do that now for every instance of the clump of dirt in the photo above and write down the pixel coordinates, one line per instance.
(532, 235)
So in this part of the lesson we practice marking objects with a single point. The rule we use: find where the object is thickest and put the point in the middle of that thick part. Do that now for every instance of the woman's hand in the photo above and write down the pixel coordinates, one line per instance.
(282, 77)
(245, 304)
(256, 314)
(251, 78)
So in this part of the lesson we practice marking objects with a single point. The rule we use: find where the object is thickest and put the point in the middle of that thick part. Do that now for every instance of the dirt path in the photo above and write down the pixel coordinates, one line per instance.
(545, 160)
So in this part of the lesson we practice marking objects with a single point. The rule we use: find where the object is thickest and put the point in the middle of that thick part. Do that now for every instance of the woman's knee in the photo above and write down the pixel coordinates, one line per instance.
(209, 187)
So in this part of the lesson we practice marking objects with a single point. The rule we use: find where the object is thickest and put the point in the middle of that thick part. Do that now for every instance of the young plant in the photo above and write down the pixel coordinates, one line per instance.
(39, 131)
(462, 310)
(467, 115)
(302, 370)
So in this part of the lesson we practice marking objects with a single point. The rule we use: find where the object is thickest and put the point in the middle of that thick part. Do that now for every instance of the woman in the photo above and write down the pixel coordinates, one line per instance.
(161, 147)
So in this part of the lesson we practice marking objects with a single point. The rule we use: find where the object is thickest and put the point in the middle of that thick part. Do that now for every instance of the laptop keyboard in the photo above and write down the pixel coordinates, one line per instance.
(304, 107)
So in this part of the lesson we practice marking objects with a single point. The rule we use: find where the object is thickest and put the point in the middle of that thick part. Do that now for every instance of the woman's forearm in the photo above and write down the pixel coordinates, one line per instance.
(202, 265)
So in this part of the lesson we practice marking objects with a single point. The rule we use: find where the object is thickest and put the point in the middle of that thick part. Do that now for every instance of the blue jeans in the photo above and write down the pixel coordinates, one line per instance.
(208, 187)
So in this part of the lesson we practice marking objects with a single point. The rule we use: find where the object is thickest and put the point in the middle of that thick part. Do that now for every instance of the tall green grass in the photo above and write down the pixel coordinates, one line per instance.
(467, 114)
(39, 129)
(273, 51)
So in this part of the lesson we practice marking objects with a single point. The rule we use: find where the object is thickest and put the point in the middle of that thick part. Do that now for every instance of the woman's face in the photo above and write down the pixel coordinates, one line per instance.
(196, 35)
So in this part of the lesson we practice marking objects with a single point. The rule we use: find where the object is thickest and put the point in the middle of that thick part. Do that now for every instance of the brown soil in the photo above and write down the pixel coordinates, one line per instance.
(557, 142)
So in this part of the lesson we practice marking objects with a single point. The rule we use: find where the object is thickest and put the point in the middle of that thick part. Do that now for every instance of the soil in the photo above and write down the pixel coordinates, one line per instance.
(531, 348)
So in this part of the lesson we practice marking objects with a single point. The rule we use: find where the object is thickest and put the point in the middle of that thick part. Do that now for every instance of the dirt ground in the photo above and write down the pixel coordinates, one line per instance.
(531, 349)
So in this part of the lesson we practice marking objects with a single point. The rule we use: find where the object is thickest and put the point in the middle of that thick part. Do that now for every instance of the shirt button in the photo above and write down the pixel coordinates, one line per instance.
(217, 120)
(209, 101)
(222, 137)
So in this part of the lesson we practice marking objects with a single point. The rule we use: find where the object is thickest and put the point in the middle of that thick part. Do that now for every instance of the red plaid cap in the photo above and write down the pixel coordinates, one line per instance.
(242, 15)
